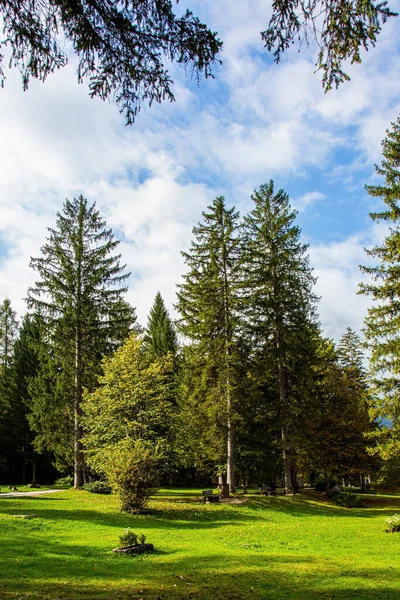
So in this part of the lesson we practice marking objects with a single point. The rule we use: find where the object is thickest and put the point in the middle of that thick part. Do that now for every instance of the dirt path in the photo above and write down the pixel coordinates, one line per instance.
(20, 494)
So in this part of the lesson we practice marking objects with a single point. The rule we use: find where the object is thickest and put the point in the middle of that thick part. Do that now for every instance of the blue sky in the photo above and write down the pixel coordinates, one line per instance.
(253, 122)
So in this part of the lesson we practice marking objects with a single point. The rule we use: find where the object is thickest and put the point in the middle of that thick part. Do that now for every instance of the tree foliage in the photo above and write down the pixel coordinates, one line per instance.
(279, 303)
(382, 324)
(130, 421)
(340, 28)
(208, 303)
(122, 46)
(80, 297)
(8, 332)
(160, 334)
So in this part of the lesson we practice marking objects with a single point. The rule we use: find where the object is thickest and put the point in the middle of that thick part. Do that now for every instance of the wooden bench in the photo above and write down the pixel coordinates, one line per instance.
(267, 490)
(209, 496)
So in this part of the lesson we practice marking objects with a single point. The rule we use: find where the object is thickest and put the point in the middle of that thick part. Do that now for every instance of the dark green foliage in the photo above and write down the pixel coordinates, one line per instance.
(279, 307)
(346, 499)
(336, 444)
(160, 335)
(67, 480)
(121, 46)
(8, 332)
(382, 325)
(341, 30)
(97, 487)
(80, 298)
(208, 302)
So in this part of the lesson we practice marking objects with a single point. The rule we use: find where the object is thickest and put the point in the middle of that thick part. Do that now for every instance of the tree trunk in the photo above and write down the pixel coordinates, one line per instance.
(230, 467)
(286, 464)
(34, 468)
(78, 455)
(289, 488)
(363, 483)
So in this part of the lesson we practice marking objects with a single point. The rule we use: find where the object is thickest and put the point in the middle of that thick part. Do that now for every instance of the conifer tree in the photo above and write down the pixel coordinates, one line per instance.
(208, 304)
(79, 295)
(160, 334)
(382, 325)
(8, 331)
(278, 301)
(8, 334)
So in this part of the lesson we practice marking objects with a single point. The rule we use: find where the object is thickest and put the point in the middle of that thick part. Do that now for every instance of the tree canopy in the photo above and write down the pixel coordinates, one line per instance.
(123, 47)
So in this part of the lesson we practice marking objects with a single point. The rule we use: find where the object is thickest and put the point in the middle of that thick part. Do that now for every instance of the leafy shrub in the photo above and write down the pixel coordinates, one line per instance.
(132, 471)
(130, 538)
(346, 499)
(68, 480)
(393, 523)
(97, 487)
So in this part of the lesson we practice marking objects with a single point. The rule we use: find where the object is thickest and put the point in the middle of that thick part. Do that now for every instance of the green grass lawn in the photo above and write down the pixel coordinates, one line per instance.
(279, 548)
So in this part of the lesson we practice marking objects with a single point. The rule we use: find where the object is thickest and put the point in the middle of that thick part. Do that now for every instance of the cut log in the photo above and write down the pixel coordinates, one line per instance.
(136, 549)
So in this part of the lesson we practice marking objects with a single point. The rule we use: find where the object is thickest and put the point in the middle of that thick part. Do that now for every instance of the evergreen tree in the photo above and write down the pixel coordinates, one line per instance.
(208, 304)
(8, 332)
(279, 304)
(121, 47)
(160, 335)
(79, 295)
(382, 325)
(336, 445)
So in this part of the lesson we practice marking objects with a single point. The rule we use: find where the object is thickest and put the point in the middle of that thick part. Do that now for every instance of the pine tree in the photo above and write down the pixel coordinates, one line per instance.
(279, 303)
(160, 334)
(208, 304)
(79, 294)
(382, 325)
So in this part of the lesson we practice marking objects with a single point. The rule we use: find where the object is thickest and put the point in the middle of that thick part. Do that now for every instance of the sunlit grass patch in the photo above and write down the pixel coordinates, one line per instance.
(267, 547)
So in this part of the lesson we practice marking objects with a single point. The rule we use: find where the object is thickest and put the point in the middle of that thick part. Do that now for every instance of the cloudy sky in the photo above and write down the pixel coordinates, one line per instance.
(253, 122)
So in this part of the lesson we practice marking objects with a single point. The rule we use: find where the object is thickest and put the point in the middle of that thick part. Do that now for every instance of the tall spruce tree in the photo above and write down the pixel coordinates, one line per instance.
(8, 331)
(80, 296)
(160, 334)
(8, 335)
(382, 325)
(208, 304)
(279, 302)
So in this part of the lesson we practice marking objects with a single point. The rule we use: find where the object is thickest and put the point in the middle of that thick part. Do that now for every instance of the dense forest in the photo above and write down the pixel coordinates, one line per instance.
(242, 387)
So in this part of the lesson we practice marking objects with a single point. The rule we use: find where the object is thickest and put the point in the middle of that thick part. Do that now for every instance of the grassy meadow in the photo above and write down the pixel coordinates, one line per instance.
(278, 548)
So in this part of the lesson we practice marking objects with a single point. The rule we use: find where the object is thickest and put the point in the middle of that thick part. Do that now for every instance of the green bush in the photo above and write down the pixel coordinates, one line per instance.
(133, 472)
(67, 480)
(130, 538)
(97, 487)
(393, 523)
(346, 499)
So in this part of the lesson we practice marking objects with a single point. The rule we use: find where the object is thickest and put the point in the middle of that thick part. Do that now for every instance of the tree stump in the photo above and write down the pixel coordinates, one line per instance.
(136, 549)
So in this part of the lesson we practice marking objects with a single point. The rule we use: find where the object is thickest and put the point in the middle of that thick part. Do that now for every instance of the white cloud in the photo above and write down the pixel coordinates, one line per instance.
(257, 120)
(306, 200)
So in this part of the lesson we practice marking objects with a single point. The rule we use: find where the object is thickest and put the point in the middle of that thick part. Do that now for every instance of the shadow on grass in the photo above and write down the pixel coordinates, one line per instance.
(200, 578)
(306, 506)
